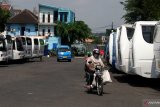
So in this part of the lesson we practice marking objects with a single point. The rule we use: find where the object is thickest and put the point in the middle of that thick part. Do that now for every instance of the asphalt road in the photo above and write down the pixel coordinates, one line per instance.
(60, 84)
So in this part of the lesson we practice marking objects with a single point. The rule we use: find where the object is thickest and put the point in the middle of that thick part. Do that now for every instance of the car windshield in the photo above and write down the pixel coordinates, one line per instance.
(63, 49)
(2, 45)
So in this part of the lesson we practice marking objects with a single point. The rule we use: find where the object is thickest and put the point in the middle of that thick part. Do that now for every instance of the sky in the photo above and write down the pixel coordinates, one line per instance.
(97, 14)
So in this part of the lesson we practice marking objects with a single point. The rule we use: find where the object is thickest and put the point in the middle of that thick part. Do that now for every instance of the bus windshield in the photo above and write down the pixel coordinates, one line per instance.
(35, 41)
(2, 45)
(147, 32)
(23, 41)
(130, 32)
(41, 41)
(29, 41)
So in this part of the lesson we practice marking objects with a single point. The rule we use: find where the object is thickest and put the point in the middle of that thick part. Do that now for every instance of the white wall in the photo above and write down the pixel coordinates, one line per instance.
(46, 30)
(46, 11)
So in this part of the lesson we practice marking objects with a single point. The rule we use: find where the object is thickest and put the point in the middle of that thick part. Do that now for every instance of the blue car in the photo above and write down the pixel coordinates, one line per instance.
(64, 53)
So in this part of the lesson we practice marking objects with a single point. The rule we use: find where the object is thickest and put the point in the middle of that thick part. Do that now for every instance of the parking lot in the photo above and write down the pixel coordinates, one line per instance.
(60, 84)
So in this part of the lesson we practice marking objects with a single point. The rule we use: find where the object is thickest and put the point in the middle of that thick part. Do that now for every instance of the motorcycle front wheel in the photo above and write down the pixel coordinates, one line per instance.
(99, 85)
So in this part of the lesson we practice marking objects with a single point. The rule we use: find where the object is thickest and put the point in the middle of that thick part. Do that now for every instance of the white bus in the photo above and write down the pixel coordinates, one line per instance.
(24, 42)
(18, 50)
(116, 46)
(126, 33)
(111, 47)
(157, 49)
(41, 43)
(9, 44)
(35, 47)
(3, 49)
(142, 49)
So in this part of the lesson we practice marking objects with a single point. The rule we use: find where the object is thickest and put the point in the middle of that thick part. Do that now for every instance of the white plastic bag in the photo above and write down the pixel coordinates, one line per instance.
(106, 77)
(94, 81)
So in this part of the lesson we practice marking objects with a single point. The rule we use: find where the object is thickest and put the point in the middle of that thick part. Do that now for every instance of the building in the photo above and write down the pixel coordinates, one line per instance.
(23, 24)
(48, 15)
(26, 23)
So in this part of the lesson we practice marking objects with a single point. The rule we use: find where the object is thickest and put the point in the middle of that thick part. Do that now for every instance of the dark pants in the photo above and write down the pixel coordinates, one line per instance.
(89, 77)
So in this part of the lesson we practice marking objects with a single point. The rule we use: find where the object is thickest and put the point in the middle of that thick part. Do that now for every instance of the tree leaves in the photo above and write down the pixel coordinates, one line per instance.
(70, 32)
(4, 16)
(141, 10)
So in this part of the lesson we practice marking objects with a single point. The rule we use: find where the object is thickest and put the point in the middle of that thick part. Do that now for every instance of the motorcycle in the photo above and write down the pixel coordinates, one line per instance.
(97, 80)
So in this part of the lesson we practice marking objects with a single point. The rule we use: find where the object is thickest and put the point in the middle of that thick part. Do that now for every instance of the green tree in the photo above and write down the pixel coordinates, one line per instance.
(141, 10)
(4, 16)
(70, 32)
(97, 40)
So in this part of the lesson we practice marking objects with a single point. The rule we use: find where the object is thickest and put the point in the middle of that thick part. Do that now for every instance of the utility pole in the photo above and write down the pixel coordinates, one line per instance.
(112, 25)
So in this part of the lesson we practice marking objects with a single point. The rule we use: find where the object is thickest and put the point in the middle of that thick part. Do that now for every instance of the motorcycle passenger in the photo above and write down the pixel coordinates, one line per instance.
(91, 64)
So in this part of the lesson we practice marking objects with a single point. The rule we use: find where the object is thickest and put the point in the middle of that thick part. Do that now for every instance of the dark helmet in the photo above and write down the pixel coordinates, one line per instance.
(96, 51)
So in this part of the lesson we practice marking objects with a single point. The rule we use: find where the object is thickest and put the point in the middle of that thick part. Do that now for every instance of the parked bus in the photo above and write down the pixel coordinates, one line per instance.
(126, 33)
(9, 45)
(35, 47)
(116, 46)
(3, 49)
(24, 42)
(142, 49)
(111, 47)
(18, 50)
(157, 49)
(41, 43)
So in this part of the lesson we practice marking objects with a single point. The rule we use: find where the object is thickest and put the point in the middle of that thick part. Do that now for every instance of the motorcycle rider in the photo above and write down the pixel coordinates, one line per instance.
(91, 64)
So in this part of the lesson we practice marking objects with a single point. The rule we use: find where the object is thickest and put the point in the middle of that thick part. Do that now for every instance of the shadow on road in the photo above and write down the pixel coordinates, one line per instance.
(2, 65)
(95, 93)
(137, 81)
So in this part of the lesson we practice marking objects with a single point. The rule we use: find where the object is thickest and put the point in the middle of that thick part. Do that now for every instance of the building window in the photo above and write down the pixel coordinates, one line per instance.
(65, 17)
(55, 30)
(48, 17)
(55, 15)
(43, 32)
(61, 17)
(36, 28)
(43, 18)
(49, 31)
(8, 28)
